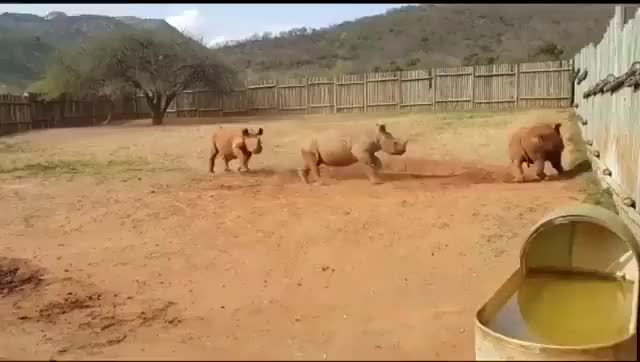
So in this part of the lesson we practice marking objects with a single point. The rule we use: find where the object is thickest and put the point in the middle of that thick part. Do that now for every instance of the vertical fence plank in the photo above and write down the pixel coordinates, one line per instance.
(365, 95)
(517, 85)
(612, 128)
(435, 89)
(335, 95)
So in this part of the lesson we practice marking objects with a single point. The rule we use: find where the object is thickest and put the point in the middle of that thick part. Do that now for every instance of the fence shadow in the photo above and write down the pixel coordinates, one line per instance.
(580, 168)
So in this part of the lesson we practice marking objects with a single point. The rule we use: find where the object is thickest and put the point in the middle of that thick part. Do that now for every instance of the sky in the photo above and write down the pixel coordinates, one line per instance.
(220, 22)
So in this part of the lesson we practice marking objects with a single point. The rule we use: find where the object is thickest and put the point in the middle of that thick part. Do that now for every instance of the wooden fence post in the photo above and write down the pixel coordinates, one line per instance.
(399, 90)
(573, 84)
(306, 91)
(221, 105)
(366, 95)
(275, 96)
(197, 102)
(335, 95)
(435, 88)
(473, 87)
(517, 84)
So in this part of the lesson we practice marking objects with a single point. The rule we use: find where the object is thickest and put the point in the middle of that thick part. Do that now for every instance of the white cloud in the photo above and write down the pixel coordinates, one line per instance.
(273, 29)
(189, 20)
(216, 41)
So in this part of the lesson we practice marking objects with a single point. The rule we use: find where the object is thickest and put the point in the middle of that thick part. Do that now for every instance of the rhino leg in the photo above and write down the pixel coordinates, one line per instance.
(516, 168)
(226, 164)
(374, 165)
(244, 162)
(556, 162)
(241, 157)
(311, 163)
(212, 158)
(539, 163)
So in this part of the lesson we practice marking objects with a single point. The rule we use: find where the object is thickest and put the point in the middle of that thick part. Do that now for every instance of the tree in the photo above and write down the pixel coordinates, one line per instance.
(548, 50)
(155, 64)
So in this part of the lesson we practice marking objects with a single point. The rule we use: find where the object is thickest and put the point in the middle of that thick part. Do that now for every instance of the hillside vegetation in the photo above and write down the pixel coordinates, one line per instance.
(27, 41)
(427, 35)
(410, 37)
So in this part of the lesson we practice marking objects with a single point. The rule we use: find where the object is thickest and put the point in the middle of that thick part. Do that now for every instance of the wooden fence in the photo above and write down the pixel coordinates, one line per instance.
(609, 112)
(484, 87)
(21, 113)
(528, 85)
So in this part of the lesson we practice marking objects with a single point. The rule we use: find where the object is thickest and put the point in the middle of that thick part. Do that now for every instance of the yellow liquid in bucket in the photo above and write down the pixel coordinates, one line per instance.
(566, 310)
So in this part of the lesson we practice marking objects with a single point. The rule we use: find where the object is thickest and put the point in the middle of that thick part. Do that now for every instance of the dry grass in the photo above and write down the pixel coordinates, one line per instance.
(112, 150)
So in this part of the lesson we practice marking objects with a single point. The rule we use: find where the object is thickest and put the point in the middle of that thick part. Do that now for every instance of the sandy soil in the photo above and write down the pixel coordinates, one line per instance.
(117, 244)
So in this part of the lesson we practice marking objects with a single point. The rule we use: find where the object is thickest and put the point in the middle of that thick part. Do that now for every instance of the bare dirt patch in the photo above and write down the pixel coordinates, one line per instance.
(72, 315)
(157, 258)
(17, 275)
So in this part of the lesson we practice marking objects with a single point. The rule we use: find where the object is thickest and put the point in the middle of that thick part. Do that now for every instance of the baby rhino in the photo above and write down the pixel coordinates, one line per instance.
(536, 145)
(340, 149)
(232, 143)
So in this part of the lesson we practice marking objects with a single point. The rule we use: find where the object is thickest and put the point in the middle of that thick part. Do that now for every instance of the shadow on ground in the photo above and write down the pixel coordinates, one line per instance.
(394, 170)
(405, 169)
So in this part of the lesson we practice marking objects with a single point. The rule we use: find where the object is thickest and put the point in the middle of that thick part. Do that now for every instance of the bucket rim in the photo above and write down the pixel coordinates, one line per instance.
(532, 345)
(582, 212)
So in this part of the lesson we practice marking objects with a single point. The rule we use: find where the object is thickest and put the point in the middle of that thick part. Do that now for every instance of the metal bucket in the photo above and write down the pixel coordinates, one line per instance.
(575, 239)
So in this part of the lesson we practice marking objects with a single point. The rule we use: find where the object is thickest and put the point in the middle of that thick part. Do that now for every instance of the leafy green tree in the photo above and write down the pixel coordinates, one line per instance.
(157, 65)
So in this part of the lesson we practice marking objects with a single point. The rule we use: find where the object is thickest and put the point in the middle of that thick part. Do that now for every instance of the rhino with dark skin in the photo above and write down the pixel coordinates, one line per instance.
(340, 149)
(536, 145)
(235, 143)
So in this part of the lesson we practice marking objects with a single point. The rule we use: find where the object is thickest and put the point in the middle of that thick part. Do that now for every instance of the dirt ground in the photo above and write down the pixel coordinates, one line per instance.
(117, 243)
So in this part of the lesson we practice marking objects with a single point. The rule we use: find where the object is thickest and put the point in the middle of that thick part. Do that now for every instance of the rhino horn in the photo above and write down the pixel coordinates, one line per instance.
(260, 131)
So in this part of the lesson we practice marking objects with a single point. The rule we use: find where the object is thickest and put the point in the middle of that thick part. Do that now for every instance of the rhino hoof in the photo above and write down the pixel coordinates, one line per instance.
(303, 176)
(227, 169)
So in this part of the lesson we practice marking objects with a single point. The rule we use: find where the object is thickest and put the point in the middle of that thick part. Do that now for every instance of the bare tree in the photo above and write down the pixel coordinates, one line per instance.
(159, 66)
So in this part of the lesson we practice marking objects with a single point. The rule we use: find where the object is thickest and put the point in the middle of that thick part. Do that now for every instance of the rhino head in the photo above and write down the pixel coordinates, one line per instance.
(390, 144)
(252, 140)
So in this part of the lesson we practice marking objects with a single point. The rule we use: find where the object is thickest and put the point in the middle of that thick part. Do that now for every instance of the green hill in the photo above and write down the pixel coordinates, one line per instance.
(427, 35)
(411, 37)
(28, 40)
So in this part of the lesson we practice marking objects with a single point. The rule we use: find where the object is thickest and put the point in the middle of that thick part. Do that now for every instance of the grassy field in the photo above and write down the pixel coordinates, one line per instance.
(120, 244)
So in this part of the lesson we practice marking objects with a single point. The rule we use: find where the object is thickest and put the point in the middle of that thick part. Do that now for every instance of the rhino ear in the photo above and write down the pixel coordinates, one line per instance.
(260, 131)
(245, 132)
(382, 128)
(557, 127)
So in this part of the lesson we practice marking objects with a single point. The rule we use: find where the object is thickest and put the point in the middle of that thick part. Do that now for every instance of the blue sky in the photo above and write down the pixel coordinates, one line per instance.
(220, 22)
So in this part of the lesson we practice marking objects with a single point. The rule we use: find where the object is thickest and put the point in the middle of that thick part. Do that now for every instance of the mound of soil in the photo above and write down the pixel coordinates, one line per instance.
(18, 275)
